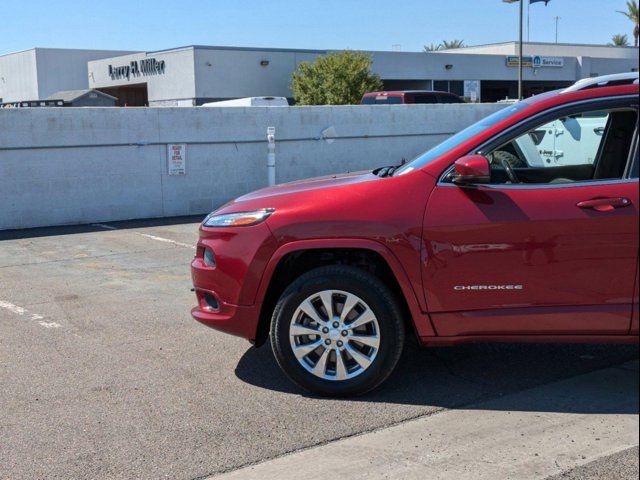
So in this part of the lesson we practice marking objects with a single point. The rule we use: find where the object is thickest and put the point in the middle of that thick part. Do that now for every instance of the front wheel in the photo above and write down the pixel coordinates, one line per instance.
(337, 331)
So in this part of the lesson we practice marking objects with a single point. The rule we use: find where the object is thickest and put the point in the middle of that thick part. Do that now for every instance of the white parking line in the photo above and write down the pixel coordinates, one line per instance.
(23, 312)
(102, 225)
(146, 235)
(165, 240)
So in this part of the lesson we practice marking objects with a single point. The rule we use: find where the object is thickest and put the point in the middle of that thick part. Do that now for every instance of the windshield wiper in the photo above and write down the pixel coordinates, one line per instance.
(388, 171)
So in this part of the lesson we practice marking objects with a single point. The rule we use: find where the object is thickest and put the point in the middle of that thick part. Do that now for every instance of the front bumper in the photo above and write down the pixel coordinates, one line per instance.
(236, 320)
(226, 291)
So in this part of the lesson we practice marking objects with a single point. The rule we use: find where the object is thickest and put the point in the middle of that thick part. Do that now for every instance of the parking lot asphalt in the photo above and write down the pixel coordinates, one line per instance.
(104, 374)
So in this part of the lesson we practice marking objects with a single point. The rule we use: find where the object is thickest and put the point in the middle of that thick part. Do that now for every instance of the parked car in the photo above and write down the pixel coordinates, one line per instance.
(250, 102)
(476, 239)
(409, 96)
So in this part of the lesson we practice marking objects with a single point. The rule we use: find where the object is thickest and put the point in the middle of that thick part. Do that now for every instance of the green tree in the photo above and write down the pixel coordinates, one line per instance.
(337, 79)
(432, 47)
(448, 45)
(620, 40)
(632, 14)
(445, 45)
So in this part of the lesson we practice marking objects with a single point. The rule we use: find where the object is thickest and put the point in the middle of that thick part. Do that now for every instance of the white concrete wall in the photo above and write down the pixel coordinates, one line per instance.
(18, 76)
(70, 166)
(607, 66)
(39, 72)
(405, 65)
(238, 73)
(62, 69)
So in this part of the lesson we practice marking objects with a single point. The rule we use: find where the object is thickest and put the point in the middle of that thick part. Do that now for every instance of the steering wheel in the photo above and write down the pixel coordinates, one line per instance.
(513, 178)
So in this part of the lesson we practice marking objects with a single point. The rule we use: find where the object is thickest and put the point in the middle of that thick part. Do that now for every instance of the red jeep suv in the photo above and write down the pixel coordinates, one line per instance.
(522, 227)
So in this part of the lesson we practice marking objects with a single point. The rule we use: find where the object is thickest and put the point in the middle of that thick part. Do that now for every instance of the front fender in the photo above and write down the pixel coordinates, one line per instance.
(421, 319)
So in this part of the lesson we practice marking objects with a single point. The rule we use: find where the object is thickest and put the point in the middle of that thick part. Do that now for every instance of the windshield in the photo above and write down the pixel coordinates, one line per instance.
(459, 138)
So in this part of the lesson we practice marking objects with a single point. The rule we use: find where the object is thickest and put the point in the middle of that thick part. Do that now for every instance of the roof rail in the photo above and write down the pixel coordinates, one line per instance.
(603, 81)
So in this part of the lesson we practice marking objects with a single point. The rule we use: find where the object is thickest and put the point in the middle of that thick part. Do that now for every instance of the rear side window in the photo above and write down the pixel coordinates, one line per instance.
(425, 98)
(449, 99)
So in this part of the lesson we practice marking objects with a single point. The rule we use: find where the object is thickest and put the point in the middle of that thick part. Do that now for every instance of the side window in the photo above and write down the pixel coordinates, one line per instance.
(587, 146)
(425, 99)
(453, 99)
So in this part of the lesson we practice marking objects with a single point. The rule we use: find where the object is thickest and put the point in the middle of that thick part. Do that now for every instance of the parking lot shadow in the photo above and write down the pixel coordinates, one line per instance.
(97, 227)
(462, 376)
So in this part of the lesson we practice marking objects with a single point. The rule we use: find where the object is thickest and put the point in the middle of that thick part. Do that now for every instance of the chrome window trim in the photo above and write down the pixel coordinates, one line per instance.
(633, 153)
(540, 186)
(496, 139)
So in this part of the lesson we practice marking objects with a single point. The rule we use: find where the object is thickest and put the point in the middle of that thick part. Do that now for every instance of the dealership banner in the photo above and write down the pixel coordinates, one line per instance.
(535, 61)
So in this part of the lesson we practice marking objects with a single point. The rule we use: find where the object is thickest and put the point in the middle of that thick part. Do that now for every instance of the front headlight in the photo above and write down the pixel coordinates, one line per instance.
(241, 219)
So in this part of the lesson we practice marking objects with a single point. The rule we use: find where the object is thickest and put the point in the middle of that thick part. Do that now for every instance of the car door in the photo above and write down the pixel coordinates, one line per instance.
(554, 256)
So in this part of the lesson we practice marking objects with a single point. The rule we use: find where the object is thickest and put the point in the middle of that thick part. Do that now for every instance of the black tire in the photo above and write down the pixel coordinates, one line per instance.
(379, 299)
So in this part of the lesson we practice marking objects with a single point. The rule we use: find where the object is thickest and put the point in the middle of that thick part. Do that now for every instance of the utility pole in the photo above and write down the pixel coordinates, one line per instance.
(556, 18)
(520, 29)
(528, 22)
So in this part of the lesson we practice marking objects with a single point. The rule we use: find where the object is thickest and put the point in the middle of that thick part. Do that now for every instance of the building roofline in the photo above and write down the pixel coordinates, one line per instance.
(470, 48)
(18, 51)
(120, 52)
(246, 49)
(65, 95)
(513, 42)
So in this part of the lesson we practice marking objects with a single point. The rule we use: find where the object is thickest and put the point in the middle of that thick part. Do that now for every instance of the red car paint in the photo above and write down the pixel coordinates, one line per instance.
(551, 270)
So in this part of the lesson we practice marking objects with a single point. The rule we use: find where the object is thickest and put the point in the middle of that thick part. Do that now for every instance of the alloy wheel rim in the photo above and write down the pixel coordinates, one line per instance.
(334, 335)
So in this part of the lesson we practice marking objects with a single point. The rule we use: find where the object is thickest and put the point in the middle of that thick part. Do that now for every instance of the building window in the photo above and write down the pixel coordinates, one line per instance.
(451, 86)
(441, 85)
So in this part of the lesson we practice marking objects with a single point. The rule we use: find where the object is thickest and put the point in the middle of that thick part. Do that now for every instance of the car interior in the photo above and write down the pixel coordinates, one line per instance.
(584, 147)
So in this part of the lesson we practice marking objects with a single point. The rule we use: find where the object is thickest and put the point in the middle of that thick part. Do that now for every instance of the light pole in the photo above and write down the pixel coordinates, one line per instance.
(557, 18)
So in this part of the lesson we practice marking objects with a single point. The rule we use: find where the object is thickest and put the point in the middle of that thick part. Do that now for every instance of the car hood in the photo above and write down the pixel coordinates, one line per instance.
(271, 196)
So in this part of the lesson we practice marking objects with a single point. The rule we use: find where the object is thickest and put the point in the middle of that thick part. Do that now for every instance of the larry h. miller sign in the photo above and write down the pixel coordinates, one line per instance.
(147, 66)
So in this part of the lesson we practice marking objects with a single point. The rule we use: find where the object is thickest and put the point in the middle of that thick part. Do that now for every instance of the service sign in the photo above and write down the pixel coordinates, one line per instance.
(539, 61)
(536, 61)
(176, 159)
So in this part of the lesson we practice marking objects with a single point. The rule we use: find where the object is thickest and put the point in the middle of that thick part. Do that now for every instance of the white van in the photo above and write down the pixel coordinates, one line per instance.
(251, 102)
(568, 141)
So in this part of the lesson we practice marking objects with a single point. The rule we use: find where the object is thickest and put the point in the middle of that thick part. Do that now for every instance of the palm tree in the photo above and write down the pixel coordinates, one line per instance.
(432, 47)
(453, 44)
(620, 40)
(632, 14)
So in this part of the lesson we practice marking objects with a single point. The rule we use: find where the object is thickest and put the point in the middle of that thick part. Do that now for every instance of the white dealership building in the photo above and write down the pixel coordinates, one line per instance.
(193, 75)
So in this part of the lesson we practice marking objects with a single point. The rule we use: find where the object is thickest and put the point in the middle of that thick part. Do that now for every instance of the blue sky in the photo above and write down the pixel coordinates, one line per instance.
(330, 24)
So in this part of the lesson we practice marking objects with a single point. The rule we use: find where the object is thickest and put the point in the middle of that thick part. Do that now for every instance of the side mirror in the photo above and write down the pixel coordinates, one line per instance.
(471, 169)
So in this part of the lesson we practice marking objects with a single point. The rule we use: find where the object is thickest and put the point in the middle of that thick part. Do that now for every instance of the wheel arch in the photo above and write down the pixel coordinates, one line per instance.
(293, 259)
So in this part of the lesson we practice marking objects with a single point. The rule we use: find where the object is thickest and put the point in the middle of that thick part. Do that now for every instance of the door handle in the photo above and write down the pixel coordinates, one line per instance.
(598, 130)
(605, 204)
